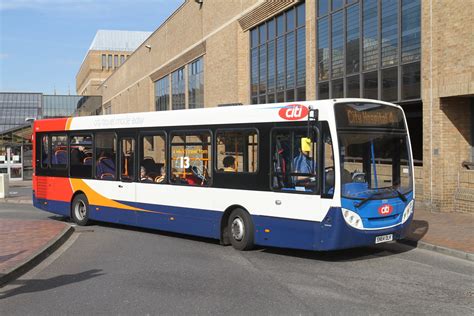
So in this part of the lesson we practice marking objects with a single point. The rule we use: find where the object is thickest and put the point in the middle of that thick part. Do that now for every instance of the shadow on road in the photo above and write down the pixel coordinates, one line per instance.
(5, 258)
(417, 230)
(35, 285)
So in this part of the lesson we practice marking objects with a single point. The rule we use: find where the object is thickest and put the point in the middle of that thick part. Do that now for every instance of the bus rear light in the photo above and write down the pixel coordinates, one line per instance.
(352, 219)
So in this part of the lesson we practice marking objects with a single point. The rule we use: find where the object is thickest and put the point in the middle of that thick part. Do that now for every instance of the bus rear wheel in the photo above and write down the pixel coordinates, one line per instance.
(240, 230)
(80, 210)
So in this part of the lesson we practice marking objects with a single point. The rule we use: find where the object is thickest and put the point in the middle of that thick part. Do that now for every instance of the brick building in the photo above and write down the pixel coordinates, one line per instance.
(109, 49)
(417, 53)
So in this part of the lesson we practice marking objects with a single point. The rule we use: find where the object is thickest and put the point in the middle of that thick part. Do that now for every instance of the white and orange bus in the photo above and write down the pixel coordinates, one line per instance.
(318, 175)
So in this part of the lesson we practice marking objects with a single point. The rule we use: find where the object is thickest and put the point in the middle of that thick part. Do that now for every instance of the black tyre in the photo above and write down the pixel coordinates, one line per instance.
(80, 210)
(241, 230)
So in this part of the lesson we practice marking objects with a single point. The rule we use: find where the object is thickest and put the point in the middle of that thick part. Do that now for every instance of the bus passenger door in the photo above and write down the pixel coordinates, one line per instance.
(127, 172)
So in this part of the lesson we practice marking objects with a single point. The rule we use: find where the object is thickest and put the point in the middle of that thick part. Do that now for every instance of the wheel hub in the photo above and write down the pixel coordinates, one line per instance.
(80, 210)
(238, 229)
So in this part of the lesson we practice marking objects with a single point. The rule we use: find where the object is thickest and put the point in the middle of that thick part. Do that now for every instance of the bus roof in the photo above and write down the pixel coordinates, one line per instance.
(264, 113)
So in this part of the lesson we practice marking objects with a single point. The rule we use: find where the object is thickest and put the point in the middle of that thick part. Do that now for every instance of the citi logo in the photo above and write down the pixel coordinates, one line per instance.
(385, 209)
(293, 112)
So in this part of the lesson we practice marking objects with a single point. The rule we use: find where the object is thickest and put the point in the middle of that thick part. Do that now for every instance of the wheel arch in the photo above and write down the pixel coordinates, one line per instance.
(223, 237)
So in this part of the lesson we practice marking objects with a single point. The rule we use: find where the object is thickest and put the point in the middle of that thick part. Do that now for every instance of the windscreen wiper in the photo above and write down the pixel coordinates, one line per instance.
(400, 195)
(363, 201)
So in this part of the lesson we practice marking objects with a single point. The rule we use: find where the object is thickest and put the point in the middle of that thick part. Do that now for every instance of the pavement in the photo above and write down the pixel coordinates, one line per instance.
(25, 243)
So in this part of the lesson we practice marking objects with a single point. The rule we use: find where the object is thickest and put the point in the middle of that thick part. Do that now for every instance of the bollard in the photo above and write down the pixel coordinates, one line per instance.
(4, 185)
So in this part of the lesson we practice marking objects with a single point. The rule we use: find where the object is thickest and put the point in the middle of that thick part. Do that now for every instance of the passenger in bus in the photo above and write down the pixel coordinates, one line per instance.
(162, 177)
(229, 164)
(76, 158)
(144, 177)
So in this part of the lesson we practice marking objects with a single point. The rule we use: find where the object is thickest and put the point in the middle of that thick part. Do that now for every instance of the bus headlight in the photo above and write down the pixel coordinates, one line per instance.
(408, 211)
(352, 218)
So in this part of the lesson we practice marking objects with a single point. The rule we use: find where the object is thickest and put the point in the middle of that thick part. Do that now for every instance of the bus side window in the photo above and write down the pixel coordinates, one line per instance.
(153, 161)
(59, 151)
(80, 153)
(191, 156)
(105, 156)
(237, 151)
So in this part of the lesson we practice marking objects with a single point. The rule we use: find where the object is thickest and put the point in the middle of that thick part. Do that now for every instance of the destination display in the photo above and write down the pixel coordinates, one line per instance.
(371, 115)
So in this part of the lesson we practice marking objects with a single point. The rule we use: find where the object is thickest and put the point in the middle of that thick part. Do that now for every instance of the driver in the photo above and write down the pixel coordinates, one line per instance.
(303, 163)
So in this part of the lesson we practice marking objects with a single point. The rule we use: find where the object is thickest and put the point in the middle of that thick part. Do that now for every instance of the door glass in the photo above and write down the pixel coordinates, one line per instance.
(3, 155)
(294, 161)
(127, 158)
(15, 172)
(15, 154)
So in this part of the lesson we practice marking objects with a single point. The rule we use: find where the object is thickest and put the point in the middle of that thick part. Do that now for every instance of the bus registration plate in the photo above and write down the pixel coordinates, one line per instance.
(384, 238)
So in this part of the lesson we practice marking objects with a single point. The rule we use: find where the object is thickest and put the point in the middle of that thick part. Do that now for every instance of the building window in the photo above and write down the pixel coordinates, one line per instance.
(122, 59)
(104, 61)
(386, 32)
(109, 61)
(178, 89)
(162, 94)
(370, 37)
(116, 61)
(411, 30)
(196, 84)
(278, 58)
(411, 81)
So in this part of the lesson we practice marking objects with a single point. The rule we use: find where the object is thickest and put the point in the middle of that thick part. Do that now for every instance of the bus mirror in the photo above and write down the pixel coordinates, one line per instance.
(306, 144)
(313, 115)
(312, 118)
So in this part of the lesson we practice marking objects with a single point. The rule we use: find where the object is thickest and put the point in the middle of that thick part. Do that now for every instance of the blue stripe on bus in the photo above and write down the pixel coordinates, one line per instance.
(330, 234)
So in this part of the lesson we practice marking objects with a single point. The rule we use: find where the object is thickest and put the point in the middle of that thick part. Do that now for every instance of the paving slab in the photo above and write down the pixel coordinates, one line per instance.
(448, 233)
(24, 243)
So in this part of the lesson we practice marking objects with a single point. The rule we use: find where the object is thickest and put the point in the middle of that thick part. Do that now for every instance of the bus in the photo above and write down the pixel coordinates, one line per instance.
(315, 175)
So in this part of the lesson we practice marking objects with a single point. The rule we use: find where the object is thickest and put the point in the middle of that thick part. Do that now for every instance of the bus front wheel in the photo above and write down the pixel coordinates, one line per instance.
(240, 230)
(80, 210)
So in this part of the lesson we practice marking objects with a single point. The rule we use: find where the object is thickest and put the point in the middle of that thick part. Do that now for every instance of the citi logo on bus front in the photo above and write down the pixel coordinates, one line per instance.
(385, 209)
(293, 112)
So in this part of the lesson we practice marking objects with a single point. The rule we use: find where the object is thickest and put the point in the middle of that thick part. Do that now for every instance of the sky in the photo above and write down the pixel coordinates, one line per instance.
(43, 42)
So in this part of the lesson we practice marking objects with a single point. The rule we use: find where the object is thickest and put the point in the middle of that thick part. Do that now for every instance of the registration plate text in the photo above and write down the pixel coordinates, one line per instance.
(384, 238)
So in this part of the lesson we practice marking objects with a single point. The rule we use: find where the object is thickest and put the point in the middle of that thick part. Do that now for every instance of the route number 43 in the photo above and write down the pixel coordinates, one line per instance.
(183, 162)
